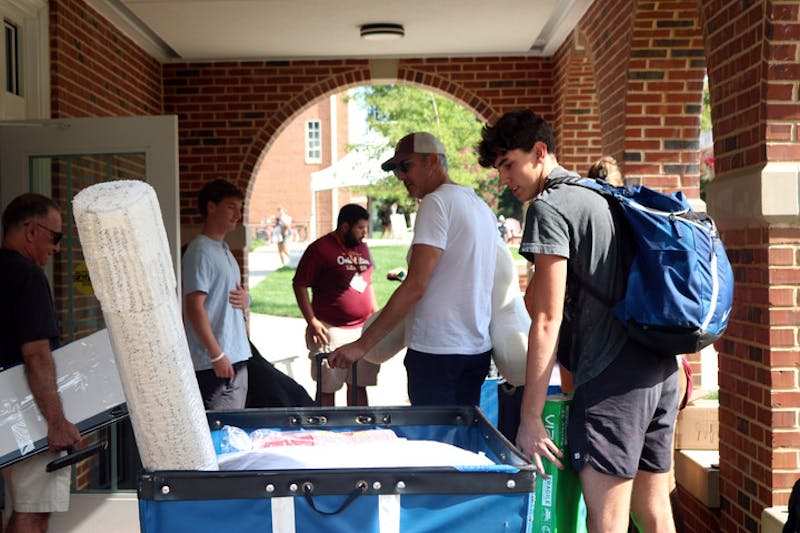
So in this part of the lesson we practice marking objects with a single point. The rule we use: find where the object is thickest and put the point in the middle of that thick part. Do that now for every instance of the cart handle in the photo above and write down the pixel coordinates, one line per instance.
(308, 488)
(74, 455)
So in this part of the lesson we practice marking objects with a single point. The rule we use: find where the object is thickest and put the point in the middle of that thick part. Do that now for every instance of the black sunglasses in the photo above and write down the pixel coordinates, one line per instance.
(57, 235)
(402, 166)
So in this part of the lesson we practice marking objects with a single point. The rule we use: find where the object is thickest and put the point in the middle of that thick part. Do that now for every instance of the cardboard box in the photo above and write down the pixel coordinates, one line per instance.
(697, 427)
(697, 471)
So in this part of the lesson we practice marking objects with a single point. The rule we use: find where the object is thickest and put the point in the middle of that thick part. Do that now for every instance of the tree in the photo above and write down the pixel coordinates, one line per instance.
(394, 111)
(706, 152)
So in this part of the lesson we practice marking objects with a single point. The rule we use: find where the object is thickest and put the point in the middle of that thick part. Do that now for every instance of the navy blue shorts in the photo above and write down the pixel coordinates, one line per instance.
(623, 420)
(450, 379)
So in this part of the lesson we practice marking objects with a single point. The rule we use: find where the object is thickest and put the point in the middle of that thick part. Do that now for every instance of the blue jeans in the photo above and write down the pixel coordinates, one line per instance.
(450, 379)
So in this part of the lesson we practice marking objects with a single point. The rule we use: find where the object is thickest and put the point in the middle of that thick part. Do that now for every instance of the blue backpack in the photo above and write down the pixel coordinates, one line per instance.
(680, 284)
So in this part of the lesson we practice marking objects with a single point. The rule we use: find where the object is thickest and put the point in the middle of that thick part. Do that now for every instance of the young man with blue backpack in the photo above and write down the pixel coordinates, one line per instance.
(626, 394)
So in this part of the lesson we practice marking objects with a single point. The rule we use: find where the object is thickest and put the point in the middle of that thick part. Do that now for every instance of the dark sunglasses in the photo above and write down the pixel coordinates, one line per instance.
(402, 166)
(57, 235)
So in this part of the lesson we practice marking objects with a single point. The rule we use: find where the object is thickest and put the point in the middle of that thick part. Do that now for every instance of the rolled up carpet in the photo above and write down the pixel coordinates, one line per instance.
(125, 247)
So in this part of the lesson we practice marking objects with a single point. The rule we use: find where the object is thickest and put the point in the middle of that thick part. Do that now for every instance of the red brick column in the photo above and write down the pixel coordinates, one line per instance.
(95, 70)
(665, 87)
(577, 122)
(753, 75)
(607, 27)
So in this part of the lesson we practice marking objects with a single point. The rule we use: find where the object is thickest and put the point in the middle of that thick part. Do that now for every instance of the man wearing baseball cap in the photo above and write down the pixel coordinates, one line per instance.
(447, 290)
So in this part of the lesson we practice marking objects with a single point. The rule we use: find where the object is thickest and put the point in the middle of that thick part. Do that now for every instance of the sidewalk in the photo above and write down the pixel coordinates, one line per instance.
(281, 340)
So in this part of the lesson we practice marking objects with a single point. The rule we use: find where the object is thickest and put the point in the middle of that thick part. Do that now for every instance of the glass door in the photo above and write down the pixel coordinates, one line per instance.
(58, 158)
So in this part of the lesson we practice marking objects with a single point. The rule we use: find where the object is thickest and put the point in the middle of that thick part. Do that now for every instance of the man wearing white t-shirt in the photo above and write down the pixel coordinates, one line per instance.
(447, 290)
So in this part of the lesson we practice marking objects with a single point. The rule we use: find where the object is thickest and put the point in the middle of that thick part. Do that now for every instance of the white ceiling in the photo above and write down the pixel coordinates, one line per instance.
(199, 30)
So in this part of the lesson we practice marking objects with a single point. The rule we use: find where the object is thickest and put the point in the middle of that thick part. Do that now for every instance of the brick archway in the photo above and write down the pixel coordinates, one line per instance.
(336, 84)
(278, 121)
(265, 179)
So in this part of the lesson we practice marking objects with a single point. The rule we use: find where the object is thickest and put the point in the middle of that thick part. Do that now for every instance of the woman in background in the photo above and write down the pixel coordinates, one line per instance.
(282, 233)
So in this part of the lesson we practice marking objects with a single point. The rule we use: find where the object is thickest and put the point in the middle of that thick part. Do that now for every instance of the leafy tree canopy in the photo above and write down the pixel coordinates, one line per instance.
(394, 111)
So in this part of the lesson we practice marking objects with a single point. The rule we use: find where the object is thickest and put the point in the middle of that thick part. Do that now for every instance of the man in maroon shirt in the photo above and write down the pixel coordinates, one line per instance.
(338, 269)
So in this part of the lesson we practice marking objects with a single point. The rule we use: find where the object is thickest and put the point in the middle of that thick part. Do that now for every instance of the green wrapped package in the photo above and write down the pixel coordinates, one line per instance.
(559, 506)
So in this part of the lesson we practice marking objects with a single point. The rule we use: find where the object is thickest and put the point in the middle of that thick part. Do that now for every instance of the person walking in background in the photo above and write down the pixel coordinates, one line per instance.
(215, 301)
(447, 291)
(621, 388)
(338, 269)
(28, 332)
(501, 228)
(386, 224)
(282, 233)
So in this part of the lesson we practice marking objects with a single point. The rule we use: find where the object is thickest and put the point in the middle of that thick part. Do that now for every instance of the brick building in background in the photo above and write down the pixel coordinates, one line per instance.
(314, 140)
(626, 83)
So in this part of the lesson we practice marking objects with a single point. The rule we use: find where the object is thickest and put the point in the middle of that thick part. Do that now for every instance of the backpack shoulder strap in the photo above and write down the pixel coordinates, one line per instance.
(606, 190)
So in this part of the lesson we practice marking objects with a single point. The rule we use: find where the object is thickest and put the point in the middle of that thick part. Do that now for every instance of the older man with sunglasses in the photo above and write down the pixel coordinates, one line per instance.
(447, 291)
(28, 331)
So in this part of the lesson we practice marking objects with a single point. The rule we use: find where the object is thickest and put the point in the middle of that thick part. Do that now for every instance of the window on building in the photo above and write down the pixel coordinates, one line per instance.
(12, 58)
(313, 141)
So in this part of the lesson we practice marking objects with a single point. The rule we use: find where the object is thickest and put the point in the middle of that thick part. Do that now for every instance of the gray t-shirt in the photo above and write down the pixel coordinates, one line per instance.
(208, 266)
(576, 223)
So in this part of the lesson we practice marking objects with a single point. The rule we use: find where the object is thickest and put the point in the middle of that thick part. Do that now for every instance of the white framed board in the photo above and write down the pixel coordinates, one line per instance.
(90, 389)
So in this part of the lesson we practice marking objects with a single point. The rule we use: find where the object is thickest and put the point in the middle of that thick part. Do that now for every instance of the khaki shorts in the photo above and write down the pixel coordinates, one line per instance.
(34, 490)
(334, 378)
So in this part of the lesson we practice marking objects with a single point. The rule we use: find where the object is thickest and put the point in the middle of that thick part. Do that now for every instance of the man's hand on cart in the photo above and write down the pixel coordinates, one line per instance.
(345, 356)
(535, 443)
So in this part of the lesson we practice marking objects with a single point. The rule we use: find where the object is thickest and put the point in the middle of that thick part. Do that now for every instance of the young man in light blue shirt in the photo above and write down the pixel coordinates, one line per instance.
(215, 301)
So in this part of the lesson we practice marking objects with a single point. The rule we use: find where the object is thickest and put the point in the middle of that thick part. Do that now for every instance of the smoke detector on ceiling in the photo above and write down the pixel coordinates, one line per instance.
(382, 31)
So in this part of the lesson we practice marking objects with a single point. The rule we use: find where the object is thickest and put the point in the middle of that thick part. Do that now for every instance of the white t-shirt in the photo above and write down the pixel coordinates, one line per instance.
(453, 316)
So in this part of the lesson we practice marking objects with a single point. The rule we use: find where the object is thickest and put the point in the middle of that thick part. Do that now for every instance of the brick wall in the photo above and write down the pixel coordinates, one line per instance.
(735, 37)
(782, 88)
(664, 96)
(490, 86)
(284, 178)
(231, 112)
(759, 437)
(606, 29)
(697, 517)
(577, 121)
(646, 61)
(95, 70)
(753, 77)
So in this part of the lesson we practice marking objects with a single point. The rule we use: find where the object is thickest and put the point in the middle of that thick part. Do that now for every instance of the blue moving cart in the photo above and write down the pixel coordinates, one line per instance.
(432, 499)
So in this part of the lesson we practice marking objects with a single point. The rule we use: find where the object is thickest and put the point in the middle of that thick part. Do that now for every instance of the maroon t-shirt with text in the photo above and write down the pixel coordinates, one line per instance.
(328, 267)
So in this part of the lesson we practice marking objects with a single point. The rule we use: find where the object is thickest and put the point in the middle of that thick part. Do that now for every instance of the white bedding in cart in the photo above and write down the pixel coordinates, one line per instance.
(398, 452)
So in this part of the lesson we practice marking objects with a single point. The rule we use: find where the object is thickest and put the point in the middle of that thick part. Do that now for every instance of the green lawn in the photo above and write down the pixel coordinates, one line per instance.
(274, 295)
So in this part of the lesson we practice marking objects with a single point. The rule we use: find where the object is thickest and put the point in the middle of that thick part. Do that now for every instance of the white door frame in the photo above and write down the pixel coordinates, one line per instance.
(154, 136)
